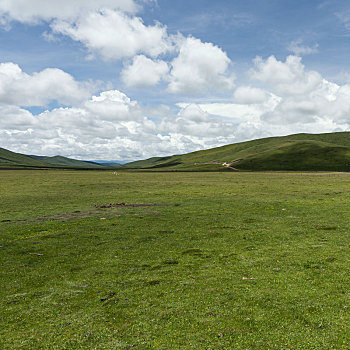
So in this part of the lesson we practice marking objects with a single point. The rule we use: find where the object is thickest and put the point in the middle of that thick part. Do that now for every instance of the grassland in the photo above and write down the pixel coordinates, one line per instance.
(221, 261)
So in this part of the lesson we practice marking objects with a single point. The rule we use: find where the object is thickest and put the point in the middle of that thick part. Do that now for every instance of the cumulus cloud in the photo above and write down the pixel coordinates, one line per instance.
(108, 28)
(35, 11)
(294, 100)
(291, 111)
(250, 95)
(115, 35)
(286, 78)
(144, 72)
(113, 105)
(102, 126)
(299, 49)
(38, 89)
(111, 125)
(16, 119)
(199, 68)
(199, 128)
(305, 96)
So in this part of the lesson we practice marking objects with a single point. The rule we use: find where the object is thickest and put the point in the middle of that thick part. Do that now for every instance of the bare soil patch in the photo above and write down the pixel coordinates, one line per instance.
(125, 205)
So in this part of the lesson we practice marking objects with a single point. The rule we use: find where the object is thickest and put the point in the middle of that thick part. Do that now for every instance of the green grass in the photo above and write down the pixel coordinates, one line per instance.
(224, 261)
(300, 152)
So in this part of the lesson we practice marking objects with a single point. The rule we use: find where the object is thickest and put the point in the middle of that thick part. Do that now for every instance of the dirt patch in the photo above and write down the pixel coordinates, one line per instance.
(125, 205)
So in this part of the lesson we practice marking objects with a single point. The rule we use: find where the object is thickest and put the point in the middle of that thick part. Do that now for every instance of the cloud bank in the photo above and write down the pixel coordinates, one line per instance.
(278, 97)
(111, 125)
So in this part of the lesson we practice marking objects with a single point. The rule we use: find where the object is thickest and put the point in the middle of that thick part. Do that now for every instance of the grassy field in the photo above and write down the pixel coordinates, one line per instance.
(189, 261)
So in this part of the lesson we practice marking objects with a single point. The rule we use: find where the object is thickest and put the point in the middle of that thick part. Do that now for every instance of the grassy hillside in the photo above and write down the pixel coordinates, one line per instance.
(147, 162)
(64, 161)
(329, 152)
(9, 159)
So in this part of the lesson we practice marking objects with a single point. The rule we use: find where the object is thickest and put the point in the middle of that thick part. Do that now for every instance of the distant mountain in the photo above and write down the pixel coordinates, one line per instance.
(108, 163)
(300, 152)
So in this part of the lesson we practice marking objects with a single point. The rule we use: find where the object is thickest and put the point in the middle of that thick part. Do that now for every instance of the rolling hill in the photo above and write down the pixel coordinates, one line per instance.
(304, 152)
(66, 162)
(9, 159)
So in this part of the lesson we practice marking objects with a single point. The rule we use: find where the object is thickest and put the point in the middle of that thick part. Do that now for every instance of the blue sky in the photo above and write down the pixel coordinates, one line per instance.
(127, 79)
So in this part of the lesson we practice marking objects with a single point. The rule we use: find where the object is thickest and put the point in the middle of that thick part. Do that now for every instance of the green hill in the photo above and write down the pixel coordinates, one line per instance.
(146, 163)
(9, 159)
(308, 152)
(66, 162)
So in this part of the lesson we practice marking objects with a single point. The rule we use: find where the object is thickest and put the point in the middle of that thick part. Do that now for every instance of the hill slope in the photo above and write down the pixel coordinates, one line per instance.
(66, 162)
(9, 159)
(328, 152)
(13, 159)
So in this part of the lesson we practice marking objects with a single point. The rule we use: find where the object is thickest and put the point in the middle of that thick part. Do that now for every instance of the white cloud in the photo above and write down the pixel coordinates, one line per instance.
(306, 98)
(38, 89)
(114, 106)
(16, 119)
(34, 11)
(236, 113)
(250, 95)
(144, 72)
(111, 125)
(198, 126)
(286, 78)
(108, 28)
(199, 68)
(299, 49)
(115, 35)
(292, 111)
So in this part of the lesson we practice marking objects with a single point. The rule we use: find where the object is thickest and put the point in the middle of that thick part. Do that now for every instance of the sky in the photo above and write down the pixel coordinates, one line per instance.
(132, 79)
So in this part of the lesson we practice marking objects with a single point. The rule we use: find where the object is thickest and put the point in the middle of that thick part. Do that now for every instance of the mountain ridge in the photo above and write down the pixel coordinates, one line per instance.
(10, 160)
